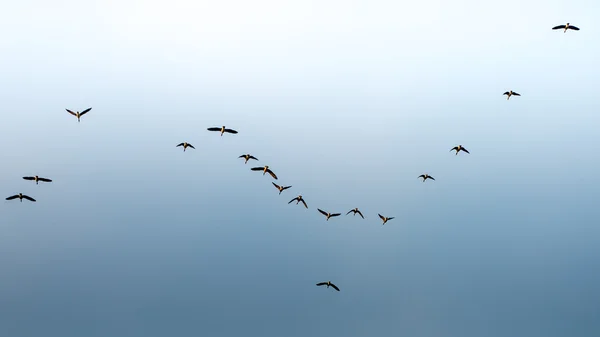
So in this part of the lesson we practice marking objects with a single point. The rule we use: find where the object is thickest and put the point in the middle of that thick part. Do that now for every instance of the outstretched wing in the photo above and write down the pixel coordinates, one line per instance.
(230, 131)
(28, 198)
(516, 94)
(559, 27)
(334, 286)
(422, 175)
(350, 211)
(322, 212)
(467, 151)
(336, 214)
(286, 187)
(181, 144)
(71, 112)
(242, 156)
(257, 168)
(296, 198)
(272, 174)
(85, 111)
(252, 157)
(45, 180)
(390, 218)
(360, 214)
(276, 186)
(432, 178)
(192, 146)
(29, 178)
(322, 283)
(506, 93)
(12, 197)
(304, 202)
(214, 129)
(573, 28)
(381, 216)
(454, 148)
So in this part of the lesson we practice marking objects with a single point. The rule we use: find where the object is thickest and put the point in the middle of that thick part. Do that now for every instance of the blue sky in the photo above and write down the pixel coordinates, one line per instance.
(348, 102)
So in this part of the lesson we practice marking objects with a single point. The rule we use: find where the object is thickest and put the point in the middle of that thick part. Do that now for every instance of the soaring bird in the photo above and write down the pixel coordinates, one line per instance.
(78, 114)
(298, 200)
(385, 219)
(185, 145)
(265, 169)
(280, 188)
(37, 179)
(327, 214)
(510, 93)
(458, 149)
(247, 157)
(355, 211)
(565, 27)
(21, 196)
(328, 284)
(425, 177)
(222, 130)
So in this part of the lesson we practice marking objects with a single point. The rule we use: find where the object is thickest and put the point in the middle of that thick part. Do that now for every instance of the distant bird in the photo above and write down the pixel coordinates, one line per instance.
(222, 130)
(78, 114)
(247, 157)
(458, 149)
(510, 93)
(385, 219)
(565, 27)
(265, 169)
(21, 196)
(327, 214)
(185, 145)
(425, 177)
(298, 200)
(355, 211)
(37, 179)
(280, 188)
(328, 284)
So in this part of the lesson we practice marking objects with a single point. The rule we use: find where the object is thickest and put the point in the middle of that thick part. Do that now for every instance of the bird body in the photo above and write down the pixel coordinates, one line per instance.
(355, 211)
(328, 284)
(459, 148)
(37, 179)
(265, 169)
(565, 27)
(247, 157)
(280, 188)
(425, 177)
(385, 219)
(299, 199)
(222, 130)
(185, 145)
(510, 93)
(21, 196)
(78, 114)
(327, 214)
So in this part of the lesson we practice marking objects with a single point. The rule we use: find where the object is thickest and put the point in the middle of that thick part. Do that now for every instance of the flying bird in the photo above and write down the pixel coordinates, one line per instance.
(510, 93)
(458, 149)
(37, 179)
(21, 196)
(280, 188)
(298, 200)
(385, 219)
(78, 114)
(247, 157)
(425, 177)
(265, 169)
(565, 27)
(327, 214)
(328, 284)
(185, 145)
(355, 211)
(222, 130)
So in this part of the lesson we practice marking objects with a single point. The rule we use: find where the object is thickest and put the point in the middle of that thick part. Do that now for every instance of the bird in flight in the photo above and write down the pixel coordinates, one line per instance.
(510, 93)
(298, 200)
(425, 177)
(385, 219)
(265, 169)
(327, 214)
(355, 211)
(78, 114)
(565, 27)
(247, 157)
(37, 179)
(328, 284)
(222, 130)
(280, 188)
(21, 196)
(458, 149)
(185, 145)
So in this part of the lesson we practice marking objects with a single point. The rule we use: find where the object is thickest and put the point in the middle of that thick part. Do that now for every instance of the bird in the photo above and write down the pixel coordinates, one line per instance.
(425, 177)
(327, 214)
(21, 196)
(280, 188)
(78, 114)
(37, 179)
(247, 157)
(355, 211)
(510, 93)
(298, 200)
(328, 284)
(265, 169)
(565, 27)
(458, 149)
(222, 130)
(385, 219)
(185, 145)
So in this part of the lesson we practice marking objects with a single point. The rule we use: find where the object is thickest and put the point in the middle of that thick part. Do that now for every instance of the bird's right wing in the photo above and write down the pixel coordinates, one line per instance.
(506, 93)
(257, 168)
(85, 111)
(272, 174)
(382, 218)
(454, 148)
(304, 202)
(276, 186)
(296, 198)
(192, 146)
(28, 198)
(214, 129)
(322, 283)
(322, 212)
(179, 145)
(12, 197)
(71, 112)
(360, 214)
(516, 94)
(573, 28)
(422, 175)
(350, 211)
(334, 286)
(253, 157)
(467, 151)
(45, 180)
(29, 178)
(559, 27)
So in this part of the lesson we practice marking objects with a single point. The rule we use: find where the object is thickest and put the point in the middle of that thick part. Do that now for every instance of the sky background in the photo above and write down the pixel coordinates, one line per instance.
(348, 102)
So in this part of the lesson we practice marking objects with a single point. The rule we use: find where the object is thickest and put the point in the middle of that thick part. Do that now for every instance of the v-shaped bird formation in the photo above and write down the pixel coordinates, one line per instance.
(266, 169)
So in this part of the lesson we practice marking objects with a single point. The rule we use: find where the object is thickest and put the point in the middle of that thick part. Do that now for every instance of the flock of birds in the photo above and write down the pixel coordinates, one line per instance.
(265, 169)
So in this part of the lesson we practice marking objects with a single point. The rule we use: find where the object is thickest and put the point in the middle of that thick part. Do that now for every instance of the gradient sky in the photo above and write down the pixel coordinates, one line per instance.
(348, 102)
